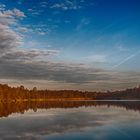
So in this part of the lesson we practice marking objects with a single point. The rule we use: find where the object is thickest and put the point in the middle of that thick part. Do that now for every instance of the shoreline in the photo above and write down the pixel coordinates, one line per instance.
(69, 100)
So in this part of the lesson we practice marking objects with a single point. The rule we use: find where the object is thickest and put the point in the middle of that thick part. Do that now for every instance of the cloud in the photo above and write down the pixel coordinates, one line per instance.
(11, 39)
(58, 123)
(23, 66)
(14, 13)
(28, 54)
(34, 64)
(67, 5)
(41, 30)
(34, 68)
(38, 65)
(37, 29)
(34, 11)
(17, 63)
(44, 4)
(45, 70)
(8, 17)
(8, 39)
(2, 7)
(23, 29)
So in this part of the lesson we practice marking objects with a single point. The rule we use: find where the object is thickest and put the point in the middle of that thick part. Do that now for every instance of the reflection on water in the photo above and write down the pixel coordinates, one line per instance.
(70, 120)
(7, 108)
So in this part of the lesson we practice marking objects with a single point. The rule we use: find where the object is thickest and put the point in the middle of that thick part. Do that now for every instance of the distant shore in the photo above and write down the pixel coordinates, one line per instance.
(20, 93)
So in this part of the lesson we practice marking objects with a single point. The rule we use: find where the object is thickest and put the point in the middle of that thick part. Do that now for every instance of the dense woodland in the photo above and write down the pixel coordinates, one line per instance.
(8, 93)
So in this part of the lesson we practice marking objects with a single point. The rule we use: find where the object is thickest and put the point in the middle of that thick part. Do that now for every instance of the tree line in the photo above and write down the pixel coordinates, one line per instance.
(20, 93)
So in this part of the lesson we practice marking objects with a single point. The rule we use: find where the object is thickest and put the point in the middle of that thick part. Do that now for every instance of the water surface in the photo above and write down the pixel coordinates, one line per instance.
(80, 120)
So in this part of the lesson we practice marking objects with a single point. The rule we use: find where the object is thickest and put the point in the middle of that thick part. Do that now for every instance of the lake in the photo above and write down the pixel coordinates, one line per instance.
(70, 120)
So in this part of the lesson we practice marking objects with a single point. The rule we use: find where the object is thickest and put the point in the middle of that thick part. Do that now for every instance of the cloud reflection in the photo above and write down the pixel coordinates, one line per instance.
(62, 122)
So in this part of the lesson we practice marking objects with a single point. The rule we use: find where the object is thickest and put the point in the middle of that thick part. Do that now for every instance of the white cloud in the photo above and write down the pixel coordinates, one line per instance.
(8, 17)
(9, 39)
(13, 13)
(34, 11)
(23, 29)
(43, 4)
(67, 5)
(31, 64)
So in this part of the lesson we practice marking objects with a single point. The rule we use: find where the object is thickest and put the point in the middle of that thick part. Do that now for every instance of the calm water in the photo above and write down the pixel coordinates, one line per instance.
(70, 121)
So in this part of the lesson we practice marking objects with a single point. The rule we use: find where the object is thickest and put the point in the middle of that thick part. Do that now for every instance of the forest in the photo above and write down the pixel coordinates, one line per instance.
(8, 94)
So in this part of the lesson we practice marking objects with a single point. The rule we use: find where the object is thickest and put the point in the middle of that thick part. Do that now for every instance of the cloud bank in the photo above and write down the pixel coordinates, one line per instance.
(34, 64)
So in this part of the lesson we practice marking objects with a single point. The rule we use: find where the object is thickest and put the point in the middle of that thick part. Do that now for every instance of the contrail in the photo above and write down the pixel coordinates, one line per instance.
(126, 59)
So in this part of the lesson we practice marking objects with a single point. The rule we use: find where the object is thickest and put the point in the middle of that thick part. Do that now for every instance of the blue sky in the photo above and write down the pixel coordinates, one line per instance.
(72, 44)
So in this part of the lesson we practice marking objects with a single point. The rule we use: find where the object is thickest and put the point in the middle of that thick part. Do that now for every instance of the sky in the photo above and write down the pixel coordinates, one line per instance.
(70, 44)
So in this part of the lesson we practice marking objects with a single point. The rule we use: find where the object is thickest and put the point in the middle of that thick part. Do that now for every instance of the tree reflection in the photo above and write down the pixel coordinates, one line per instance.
(7, 108)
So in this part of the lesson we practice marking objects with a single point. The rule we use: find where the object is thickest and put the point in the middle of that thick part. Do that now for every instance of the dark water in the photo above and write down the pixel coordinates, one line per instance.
(81, 120)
